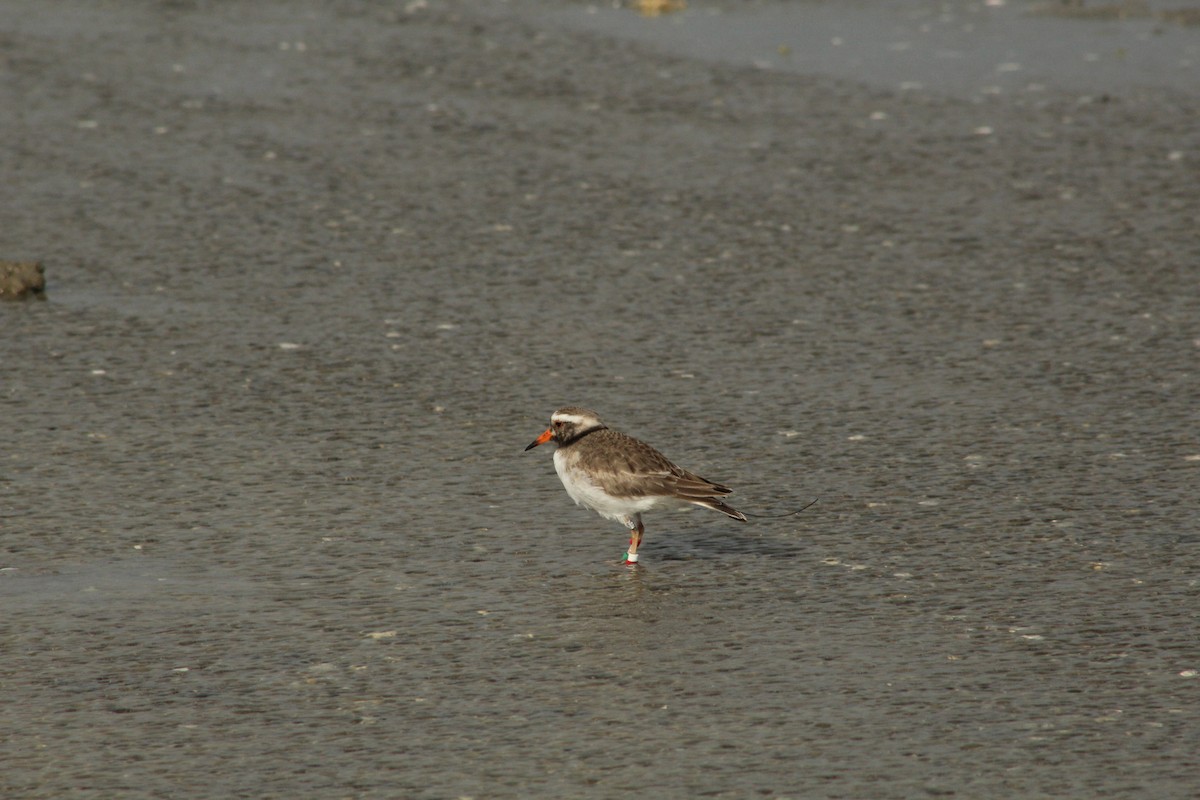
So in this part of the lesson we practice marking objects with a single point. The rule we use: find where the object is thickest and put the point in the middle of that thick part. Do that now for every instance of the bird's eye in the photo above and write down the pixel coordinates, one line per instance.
(558, 423)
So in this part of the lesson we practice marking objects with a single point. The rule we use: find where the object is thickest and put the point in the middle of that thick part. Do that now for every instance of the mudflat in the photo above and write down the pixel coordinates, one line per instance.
(317, 272)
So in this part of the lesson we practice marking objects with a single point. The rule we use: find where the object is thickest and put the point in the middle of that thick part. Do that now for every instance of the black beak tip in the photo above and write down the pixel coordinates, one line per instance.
(531, 445)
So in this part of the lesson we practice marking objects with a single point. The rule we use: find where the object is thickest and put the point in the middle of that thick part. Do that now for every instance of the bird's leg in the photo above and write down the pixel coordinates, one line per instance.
(635, 538)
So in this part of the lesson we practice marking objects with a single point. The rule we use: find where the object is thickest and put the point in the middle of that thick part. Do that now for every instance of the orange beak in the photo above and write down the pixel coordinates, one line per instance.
(545, 437)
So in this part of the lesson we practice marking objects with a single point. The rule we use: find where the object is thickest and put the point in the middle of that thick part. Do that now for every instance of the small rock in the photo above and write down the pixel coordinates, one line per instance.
(21, 279)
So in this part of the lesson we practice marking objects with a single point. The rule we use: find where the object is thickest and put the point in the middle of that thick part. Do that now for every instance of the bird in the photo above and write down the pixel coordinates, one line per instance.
(620, 477)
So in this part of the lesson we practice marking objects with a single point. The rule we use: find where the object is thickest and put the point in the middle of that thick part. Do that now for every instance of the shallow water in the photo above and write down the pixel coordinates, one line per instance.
(963, 48)
(317, 275)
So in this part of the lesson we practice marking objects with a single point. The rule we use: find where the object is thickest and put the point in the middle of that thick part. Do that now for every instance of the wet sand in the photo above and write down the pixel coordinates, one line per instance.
(316, 274)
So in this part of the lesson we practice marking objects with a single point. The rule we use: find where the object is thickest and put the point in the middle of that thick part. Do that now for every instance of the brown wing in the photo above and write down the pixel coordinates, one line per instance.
(637, 470)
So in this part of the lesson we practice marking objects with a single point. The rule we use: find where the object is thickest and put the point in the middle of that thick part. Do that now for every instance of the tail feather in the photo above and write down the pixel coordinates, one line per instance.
(717, 505)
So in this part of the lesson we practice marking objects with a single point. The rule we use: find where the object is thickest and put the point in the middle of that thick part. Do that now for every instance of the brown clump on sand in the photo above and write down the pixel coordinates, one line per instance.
(655, 8)
(21, 279)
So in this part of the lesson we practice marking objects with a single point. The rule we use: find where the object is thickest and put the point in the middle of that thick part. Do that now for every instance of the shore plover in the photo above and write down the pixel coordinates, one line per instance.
(621, 477)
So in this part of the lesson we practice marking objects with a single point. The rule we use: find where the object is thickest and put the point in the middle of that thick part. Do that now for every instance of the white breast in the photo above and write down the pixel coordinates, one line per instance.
(587, 492)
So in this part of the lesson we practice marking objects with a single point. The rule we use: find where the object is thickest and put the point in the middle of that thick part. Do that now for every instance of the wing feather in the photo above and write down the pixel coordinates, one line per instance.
(638, 470)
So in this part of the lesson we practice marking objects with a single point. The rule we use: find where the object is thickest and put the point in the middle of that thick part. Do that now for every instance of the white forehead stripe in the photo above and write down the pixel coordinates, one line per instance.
(574, 419)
